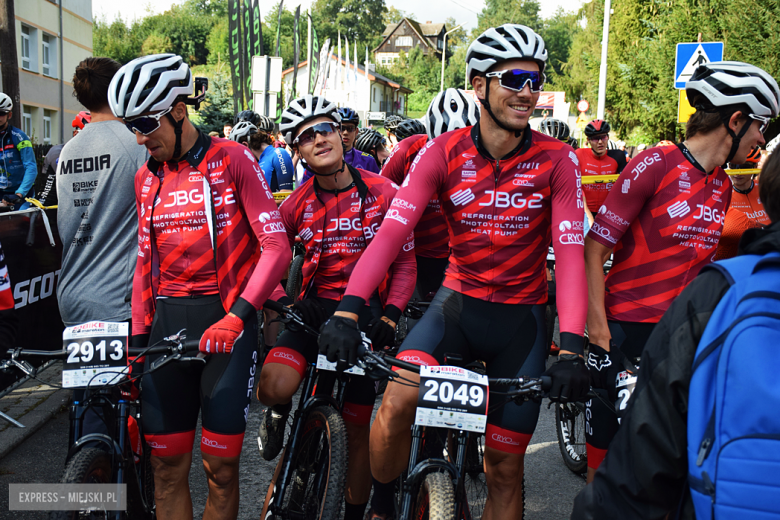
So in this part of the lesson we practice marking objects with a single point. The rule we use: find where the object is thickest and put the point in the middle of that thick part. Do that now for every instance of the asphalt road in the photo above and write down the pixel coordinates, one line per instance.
(550, 486)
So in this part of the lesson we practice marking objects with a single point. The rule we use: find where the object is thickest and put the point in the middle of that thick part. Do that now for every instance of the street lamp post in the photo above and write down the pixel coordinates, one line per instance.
(444, 54)
(603, 65)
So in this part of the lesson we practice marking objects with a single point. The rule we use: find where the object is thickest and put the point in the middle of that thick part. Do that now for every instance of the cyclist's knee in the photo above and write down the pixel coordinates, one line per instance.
(503, 471)
(357, 435)
(222, 472)
(278, 383)
(399, 404)
(170, 473)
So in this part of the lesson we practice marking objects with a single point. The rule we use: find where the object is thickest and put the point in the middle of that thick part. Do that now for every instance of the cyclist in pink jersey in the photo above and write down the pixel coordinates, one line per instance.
(211, 249)
(663, 219)
(506, 192)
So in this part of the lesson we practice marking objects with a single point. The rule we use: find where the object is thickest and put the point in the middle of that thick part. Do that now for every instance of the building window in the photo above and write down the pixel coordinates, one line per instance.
(49, 55)
(26, 47)
(27, 121)
(47, 126)
(374, 95)
(403, 41)
(439, 44)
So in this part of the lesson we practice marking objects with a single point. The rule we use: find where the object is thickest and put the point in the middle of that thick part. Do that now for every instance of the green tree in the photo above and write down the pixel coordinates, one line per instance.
(115, 40)
(217, 110)
(558, 33)
(156, 43)
(394, 15)
(358, 20)
(499, 12)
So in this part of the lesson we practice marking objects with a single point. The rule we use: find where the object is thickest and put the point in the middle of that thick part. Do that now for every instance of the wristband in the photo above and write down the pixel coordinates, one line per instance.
(573, 343)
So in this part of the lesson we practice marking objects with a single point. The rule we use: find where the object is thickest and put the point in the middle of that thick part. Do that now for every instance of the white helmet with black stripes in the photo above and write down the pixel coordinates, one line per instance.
(450, 110)
(149, 84)
(304, 109)
(506, 42)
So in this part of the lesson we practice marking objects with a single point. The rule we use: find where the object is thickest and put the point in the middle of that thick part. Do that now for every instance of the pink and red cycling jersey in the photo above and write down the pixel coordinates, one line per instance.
(501, 217)
(663, 218)
(431, 238)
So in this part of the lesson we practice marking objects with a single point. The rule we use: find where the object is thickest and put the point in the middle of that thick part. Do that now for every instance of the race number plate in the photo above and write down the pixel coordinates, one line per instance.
(97, 354)
(452, 397)
(625, 383)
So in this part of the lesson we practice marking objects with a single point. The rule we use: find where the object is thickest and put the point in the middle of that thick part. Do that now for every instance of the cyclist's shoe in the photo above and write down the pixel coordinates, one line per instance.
(270, 438)
(554, 349)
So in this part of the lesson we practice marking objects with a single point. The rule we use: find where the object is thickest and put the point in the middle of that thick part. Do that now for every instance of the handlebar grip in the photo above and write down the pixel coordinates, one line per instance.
(273, 305)
(191, 345)
(546, 383)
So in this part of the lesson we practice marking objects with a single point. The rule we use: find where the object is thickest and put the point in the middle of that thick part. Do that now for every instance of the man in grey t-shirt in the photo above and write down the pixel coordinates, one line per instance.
(97, 221)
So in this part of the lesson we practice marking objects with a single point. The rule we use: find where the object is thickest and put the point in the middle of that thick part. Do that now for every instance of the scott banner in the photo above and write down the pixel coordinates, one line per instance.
(34, 268)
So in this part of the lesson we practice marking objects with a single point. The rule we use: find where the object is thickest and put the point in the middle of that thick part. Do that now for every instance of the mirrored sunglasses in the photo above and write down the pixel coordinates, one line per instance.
(516, 79)
(307, 136)
(764, 122)
(145, 125)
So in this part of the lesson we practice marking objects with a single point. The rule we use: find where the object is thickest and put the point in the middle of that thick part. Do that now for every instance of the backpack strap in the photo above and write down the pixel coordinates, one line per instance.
(739, 267)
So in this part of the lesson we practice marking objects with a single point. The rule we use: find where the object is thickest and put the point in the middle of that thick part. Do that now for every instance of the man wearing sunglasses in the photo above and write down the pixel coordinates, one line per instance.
(598, 160)
(337, 216)
(663, 220)
(211, 249)
(506, 192)
(18, 169)
(348, 133)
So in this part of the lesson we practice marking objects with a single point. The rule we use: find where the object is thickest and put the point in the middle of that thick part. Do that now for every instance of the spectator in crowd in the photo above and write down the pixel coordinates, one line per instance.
(226, 130)
(18, 169)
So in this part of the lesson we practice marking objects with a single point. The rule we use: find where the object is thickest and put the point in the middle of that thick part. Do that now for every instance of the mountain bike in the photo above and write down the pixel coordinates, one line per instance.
(310, 477)
(445, 475)
(105, 458)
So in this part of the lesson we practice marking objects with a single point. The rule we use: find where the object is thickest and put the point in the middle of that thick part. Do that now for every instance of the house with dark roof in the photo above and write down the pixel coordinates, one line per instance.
(408, 34)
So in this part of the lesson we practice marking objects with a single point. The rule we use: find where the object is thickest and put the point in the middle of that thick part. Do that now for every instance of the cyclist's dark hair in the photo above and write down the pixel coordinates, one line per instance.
(705, 121)
(259, 138)
(769, 186)
(91, 80)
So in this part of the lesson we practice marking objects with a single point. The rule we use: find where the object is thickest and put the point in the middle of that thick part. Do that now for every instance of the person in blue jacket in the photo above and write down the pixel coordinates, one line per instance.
(18, 168)
(276, 163)
(352, 156)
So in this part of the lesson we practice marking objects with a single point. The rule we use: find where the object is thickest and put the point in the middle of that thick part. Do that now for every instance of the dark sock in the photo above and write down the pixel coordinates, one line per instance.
(282, 409)
(383, 498)
(354, 511)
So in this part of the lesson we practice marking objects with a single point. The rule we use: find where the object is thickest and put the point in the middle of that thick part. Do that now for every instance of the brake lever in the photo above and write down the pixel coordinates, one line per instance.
(24, 366)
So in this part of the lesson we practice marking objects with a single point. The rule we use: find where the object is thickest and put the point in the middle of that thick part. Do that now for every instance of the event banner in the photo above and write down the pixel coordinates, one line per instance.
(297, 51)
(279, 29)
(257, 30)
(247, 16)
(314, 52)
(34, 269)
(234, 28)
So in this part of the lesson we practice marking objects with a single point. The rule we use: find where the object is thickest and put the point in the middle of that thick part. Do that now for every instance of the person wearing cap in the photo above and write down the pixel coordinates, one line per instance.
(663, 220)
(211, 250)
(506, 192)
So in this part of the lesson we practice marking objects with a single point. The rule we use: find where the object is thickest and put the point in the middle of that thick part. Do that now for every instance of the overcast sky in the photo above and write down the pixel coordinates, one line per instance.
(464, 11)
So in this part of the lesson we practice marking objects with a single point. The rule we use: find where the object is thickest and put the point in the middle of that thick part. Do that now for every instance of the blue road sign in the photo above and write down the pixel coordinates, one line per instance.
(691, 55)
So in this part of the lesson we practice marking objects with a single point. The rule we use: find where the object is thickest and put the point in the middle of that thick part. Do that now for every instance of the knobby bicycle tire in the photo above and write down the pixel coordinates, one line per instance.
(435, 498)
(570, 428)
(319, 468)
(88, 466)
(295, 278)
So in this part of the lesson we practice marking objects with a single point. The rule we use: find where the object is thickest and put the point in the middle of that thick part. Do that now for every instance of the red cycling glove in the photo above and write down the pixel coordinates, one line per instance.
(220, 337)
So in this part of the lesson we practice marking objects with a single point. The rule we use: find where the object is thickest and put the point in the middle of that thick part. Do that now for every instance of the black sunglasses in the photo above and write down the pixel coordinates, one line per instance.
(517, 79)
(145, 125)
(307, 136)
(2, 114)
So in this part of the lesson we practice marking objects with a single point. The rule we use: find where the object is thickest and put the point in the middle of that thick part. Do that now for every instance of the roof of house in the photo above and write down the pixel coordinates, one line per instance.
(372, 76)
(422, 30)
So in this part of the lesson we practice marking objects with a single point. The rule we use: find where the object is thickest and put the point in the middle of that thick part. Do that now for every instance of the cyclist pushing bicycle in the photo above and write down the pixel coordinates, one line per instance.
(205, 213)
(337, 215)
(506, 191)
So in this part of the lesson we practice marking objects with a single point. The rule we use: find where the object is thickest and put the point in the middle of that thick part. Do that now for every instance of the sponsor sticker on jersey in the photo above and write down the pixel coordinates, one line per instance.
(393, 214)
(462, 197)
(626, 186)
(678, 209)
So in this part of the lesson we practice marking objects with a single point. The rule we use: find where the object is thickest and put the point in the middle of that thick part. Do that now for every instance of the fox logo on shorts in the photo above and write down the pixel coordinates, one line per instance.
(598, 364)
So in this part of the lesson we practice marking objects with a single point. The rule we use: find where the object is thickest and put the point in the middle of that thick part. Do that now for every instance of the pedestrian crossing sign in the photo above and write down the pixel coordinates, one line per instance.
(690, 55)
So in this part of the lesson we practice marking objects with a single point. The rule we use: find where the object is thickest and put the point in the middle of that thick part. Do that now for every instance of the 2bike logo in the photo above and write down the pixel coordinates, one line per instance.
(504, 439)
(44, 284)
(709, 214)
(502, 199)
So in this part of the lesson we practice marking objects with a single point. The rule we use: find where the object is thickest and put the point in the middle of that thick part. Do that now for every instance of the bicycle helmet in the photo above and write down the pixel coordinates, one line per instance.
(665, 142)
(408, 128)
(81, 120)
(450, 110)
(597, 127)
(265, 124)
(304, 109)
(248, 115)
(6, 105)
(349, 116)
(369, 140)
(507, 42)
(242, 131)
(753, 156)
(555, 128)
(392, 122)
(573, 143)
(720, 85)
(149, 84)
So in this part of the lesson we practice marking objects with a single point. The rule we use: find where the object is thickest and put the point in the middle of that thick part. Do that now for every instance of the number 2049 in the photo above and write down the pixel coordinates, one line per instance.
(445, 392)
(86, 351)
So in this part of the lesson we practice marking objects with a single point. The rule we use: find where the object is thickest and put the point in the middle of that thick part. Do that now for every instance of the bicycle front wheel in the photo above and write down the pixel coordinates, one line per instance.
(435, 499)
(474, 482)
(319, 468)
(88, 466)
(570, 427)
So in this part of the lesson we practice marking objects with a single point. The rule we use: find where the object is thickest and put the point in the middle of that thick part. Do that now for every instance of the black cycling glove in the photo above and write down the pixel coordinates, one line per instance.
(603, 367)
(570, 379)
(381, 333)
(311, 311)
(339, 340)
